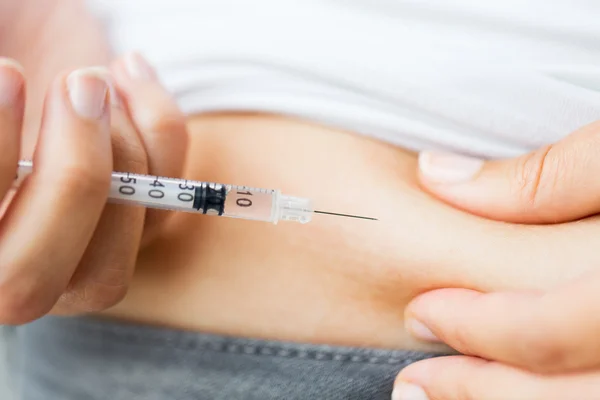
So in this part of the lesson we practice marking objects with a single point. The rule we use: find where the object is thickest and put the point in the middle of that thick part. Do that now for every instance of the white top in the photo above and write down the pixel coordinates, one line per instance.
(492, 78)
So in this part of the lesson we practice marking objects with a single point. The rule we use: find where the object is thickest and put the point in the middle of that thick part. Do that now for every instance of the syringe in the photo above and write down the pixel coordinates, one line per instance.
(208, 198)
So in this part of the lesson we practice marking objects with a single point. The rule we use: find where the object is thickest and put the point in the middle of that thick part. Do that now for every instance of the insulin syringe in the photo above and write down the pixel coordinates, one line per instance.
(208, 198)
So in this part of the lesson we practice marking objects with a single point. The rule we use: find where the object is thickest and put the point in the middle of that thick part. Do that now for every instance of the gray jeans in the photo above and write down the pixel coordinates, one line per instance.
(84, 358)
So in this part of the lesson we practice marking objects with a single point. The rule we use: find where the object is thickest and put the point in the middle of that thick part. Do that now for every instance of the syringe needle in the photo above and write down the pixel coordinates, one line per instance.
(345, 215)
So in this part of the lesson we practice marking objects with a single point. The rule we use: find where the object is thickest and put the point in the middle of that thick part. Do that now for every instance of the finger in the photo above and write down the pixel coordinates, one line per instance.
(159, 121)
(53, 215)
(555, 332)
(553, 184)
(105, 271)
(466, 378)
(12, 103)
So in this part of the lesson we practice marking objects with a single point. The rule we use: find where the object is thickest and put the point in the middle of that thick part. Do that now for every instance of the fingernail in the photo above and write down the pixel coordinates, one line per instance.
(88, 89)
(115, 99)
(11, 82)
(408, 391)
(420, 331)
(138, 68)
(448, 168)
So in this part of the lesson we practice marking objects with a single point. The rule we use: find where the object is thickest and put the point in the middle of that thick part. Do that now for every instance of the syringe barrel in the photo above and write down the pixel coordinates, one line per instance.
(200, 197)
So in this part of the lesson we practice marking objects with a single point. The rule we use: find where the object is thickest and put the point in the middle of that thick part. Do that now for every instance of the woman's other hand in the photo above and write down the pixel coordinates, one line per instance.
(557, 183)
(517, 345)
(63, 249)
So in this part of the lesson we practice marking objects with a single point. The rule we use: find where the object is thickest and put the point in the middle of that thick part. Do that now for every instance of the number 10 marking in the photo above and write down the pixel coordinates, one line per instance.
(243, 202)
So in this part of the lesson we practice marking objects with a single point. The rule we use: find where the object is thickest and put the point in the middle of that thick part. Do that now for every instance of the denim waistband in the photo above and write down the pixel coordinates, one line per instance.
(86, 358)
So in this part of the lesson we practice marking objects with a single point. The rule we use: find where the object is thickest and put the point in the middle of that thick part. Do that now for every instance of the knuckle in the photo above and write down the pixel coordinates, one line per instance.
(536, 176)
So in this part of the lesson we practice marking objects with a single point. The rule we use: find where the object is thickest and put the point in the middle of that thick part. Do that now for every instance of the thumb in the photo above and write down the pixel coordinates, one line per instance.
(557, 183)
